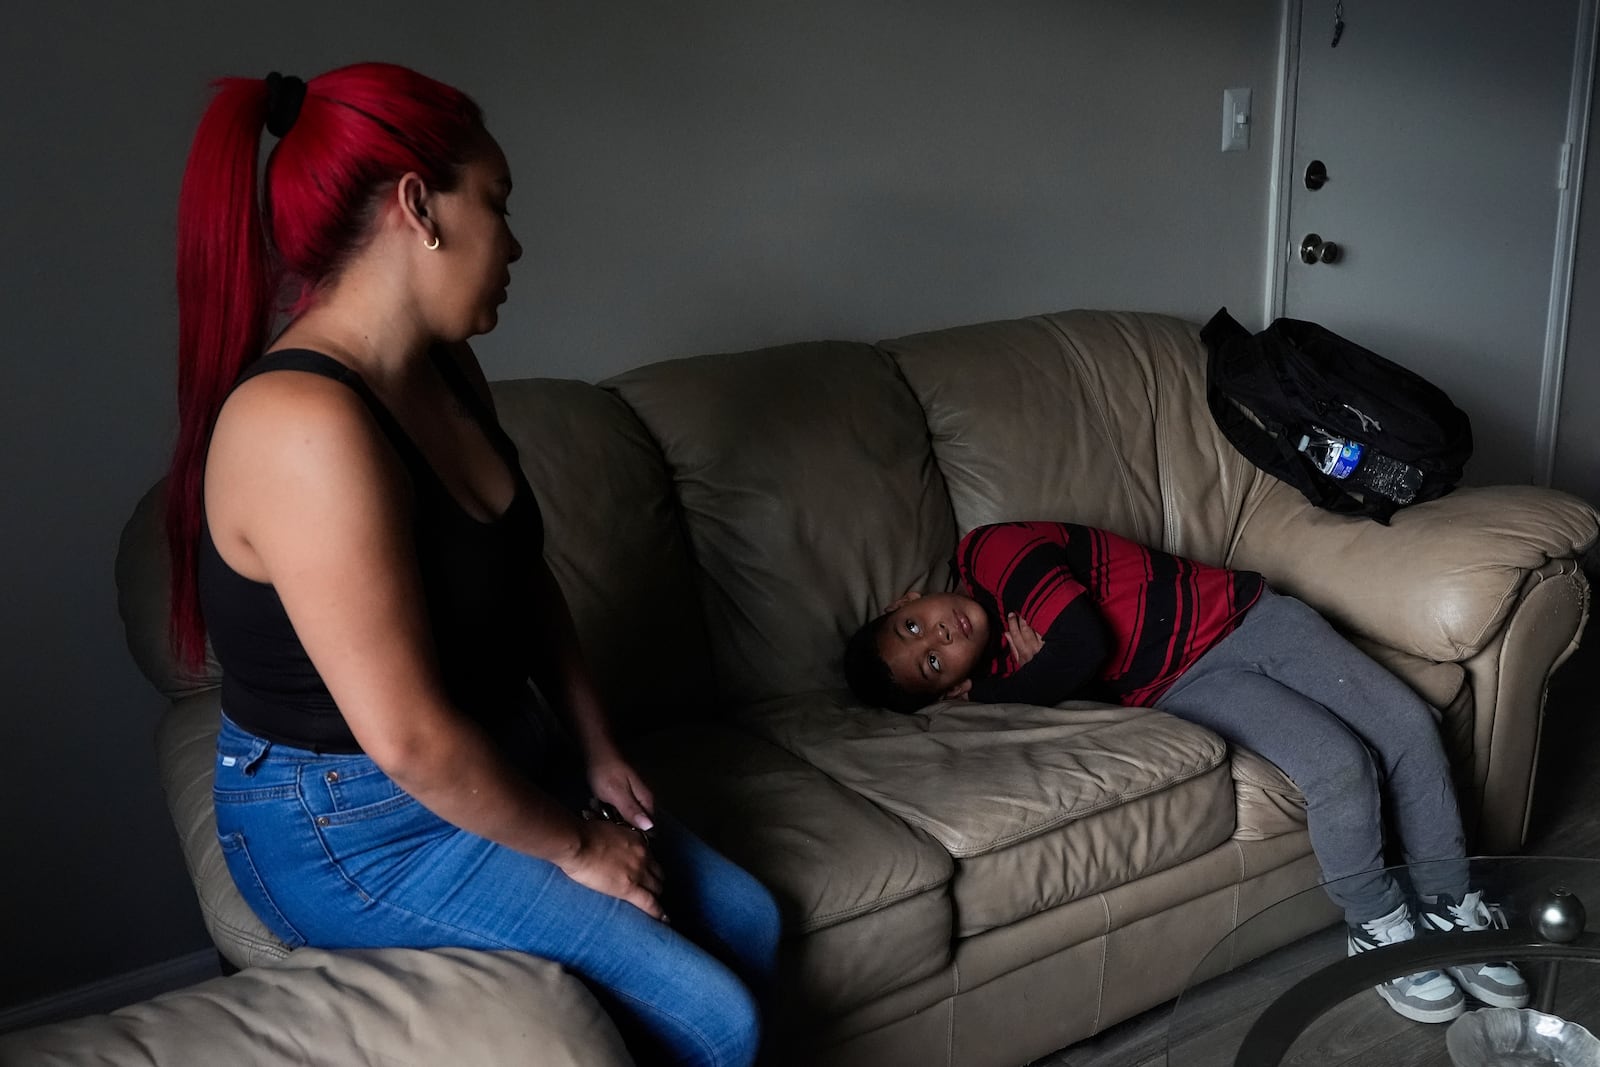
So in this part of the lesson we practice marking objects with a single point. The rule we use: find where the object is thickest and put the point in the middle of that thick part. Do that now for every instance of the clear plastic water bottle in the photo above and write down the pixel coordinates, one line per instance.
(1342, 458)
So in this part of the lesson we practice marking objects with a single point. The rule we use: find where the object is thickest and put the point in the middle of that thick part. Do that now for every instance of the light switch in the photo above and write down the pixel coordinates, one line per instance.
(1235, 120)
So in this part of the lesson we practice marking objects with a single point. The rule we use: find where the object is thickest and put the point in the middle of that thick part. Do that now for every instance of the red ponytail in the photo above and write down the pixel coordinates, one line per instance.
(360, 128)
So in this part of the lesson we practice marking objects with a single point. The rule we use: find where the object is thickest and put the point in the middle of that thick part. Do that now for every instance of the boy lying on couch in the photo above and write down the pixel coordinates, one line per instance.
(1091, 615)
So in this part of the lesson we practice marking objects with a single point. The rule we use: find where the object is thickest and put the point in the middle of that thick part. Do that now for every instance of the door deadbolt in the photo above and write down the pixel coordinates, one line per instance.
(1316, 175)
(1313, 249)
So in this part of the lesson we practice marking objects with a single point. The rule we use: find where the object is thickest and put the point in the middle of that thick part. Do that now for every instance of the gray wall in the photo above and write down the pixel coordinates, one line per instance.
(691, 176)
(1577, 467)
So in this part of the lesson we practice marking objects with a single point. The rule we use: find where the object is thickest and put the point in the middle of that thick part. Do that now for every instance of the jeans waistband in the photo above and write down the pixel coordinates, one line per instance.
(238, 747)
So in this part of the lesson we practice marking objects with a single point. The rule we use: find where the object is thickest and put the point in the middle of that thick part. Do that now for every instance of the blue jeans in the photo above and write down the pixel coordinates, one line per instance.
(328, 851)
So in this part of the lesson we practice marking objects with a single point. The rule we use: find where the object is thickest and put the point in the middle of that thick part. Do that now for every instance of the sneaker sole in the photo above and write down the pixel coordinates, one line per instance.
(1487, 996)
(1422, 1015)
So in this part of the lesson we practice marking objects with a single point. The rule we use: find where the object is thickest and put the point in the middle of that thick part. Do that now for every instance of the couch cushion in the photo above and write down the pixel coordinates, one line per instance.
(1268, 804)
(1039, 806)
(614, 540)
(844, 872)
(810, 497)
(387, 1007)
(1108, 407)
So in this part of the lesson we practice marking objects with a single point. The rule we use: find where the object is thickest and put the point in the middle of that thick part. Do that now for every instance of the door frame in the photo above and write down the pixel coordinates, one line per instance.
(1570, 184)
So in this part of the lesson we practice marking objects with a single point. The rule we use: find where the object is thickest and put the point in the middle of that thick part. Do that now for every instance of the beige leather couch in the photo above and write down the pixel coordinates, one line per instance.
(973, 885)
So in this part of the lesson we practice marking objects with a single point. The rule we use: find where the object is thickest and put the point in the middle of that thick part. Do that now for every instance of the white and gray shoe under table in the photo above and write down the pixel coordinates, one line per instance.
(1310, 1004)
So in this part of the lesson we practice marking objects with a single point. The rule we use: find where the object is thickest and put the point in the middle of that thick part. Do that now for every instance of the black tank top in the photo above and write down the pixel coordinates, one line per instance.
(478, 579)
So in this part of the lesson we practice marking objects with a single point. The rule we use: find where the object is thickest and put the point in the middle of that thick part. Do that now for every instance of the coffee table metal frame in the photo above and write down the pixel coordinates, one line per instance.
(1293, 1010)
(1277, 1029)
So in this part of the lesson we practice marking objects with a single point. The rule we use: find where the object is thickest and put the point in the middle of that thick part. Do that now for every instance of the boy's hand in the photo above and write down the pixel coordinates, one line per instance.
(1022, 639)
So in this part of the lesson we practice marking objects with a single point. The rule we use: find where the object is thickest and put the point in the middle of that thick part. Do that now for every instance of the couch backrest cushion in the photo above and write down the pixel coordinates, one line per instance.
(1082, 416)
(810, 497)
(614, 540)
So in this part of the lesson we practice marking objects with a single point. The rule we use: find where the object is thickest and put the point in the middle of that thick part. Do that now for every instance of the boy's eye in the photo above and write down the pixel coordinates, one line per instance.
(912, 627)
(933, 660)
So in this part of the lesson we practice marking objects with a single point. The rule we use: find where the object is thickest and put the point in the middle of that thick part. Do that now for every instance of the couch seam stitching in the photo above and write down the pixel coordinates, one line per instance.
(869, 908)
(950, 1016)
(1105, 957)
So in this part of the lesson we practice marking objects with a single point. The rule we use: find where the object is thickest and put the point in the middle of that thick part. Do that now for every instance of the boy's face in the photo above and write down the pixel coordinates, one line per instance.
(932, 643)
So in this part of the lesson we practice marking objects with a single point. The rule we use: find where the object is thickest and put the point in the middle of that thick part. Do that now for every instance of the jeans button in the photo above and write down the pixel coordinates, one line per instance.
(322, 820)
(332, 776)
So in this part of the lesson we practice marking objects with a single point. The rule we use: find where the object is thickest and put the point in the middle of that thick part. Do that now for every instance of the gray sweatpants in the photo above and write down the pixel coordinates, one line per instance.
(1349, 734)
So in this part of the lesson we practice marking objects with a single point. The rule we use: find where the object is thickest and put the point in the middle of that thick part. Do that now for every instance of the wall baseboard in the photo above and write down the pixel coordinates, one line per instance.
(118, 991)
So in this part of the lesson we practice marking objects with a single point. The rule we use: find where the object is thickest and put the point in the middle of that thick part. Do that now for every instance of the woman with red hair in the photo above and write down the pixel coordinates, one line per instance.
(350, 527)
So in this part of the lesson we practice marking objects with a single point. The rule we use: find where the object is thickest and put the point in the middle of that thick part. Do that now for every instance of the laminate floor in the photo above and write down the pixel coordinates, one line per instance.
(1565, 822)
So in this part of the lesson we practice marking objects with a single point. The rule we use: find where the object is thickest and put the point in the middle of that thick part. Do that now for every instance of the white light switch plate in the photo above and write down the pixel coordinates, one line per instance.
(1235, 120)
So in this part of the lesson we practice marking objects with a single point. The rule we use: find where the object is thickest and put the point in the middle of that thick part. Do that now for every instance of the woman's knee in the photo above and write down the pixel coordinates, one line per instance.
(717, 1020)
(742, 1029)
(757, 926)
(733, 907)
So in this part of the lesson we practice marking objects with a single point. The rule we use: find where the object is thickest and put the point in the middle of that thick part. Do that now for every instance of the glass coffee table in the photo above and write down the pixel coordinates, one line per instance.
(1309, 1004)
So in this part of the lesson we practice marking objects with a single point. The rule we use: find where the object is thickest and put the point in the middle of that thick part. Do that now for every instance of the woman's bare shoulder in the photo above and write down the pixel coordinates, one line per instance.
(281, 432)
(287, 406)
(299, 469)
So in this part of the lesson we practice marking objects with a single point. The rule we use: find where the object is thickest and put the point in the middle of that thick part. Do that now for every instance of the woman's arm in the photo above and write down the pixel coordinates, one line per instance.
(302, 488)
(562, 675)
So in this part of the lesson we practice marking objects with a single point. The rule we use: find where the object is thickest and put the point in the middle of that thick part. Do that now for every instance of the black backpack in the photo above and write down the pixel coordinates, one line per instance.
(1306, 385)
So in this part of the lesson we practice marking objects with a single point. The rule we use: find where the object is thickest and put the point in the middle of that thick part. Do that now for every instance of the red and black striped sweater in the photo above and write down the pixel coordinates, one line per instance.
(1120, 622)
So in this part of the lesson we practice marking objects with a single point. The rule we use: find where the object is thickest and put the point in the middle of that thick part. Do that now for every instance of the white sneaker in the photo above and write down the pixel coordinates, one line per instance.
(1427, 997)
(1499, 985)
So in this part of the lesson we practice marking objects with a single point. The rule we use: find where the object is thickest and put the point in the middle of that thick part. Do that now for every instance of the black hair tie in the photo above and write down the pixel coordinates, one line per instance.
(285, 94)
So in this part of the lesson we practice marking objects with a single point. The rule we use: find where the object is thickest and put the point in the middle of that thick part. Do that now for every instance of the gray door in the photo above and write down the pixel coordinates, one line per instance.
(1441, 125)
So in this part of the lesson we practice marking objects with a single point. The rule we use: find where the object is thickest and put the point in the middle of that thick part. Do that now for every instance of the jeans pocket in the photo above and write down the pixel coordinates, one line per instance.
(374, 844)
(354, 787)
(254, 890)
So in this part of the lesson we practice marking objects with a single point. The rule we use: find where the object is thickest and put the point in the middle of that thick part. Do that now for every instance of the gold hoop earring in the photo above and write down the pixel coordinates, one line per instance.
(433, 245)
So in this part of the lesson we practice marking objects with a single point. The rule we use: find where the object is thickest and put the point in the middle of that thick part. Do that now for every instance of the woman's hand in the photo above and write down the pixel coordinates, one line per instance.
(616, 861)
(615, 782)
(1022, 639)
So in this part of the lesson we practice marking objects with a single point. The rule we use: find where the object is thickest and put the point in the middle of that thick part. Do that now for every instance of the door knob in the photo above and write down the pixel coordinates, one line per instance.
(1314, 248)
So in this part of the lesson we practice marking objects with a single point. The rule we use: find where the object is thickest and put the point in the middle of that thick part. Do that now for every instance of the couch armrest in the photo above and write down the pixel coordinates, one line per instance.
(1439, 583)
(1509, 679)
(186, 749)
(371, 1008)
(1488, 578)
